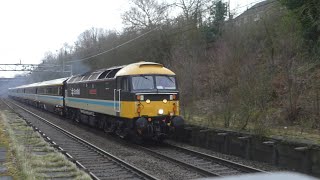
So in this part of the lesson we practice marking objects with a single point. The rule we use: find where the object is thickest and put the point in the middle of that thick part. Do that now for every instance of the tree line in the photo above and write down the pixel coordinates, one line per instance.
(252, 75)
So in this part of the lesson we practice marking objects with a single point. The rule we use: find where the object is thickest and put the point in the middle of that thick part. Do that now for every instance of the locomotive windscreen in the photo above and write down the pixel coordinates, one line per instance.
(150, 82)
(165, 82)
(142, 82)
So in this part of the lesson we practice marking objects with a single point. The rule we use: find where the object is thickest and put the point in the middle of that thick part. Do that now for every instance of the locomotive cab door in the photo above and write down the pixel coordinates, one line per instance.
(117, 97)
(120, 93)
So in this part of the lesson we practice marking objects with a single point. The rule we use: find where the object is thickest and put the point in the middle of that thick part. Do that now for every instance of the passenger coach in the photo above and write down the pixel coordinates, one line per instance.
(47, 95)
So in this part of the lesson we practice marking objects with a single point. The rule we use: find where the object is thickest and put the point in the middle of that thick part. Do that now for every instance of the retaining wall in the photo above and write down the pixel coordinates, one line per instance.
(294, 155)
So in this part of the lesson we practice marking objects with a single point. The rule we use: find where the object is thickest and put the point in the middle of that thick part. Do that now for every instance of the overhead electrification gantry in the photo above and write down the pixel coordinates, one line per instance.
(36, 68)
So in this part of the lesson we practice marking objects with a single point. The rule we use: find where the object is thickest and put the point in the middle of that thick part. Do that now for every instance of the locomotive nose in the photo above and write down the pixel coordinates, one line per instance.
(156, 105)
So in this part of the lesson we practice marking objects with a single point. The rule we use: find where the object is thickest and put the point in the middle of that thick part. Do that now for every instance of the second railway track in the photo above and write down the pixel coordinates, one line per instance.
(98, 163)
(205, 164)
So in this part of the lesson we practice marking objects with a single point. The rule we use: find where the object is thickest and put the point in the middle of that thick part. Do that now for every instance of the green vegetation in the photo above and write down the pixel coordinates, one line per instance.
(256, 72)
(308, 14)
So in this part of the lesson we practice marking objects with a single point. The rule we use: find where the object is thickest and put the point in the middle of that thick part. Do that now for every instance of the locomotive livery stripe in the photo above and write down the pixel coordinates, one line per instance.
(107, 103)
(98, 106)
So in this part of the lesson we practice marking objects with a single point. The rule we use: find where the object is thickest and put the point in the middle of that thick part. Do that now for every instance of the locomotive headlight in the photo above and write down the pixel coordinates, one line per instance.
(160, 111)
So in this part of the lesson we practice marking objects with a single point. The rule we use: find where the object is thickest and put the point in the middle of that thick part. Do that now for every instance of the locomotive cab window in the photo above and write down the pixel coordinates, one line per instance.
(142, 82)
(165, 82)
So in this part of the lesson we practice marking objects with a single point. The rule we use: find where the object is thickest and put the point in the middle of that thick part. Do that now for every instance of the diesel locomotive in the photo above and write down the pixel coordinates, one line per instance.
(139, 100)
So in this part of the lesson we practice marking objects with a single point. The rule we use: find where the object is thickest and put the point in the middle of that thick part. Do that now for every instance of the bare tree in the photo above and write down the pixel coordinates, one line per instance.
(89, 38)
(145, 14)
(193, 10)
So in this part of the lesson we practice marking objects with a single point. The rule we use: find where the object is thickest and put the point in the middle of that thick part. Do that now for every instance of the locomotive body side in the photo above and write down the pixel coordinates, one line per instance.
(91, 96)
(126, 100)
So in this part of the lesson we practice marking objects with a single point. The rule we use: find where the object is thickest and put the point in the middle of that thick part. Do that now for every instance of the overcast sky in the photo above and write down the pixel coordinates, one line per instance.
(30, 28)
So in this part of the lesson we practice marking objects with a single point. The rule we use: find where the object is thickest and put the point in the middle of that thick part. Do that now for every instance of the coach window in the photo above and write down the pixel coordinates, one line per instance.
(54, 91)
(49, 90)
(60, 91)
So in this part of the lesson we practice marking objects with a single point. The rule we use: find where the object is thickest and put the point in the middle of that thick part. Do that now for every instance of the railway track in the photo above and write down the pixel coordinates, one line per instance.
(205, 164)
(98, 163)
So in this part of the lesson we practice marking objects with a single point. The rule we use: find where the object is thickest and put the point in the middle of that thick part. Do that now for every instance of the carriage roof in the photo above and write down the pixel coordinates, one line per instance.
(54, 82)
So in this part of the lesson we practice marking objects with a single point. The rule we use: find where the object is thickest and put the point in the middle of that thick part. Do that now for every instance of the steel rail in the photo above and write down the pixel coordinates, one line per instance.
(230, 168)
(189, 166)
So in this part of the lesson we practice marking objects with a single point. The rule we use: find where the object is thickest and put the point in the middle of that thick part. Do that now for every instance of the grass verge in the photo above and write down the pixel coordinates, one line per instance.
(36, 159)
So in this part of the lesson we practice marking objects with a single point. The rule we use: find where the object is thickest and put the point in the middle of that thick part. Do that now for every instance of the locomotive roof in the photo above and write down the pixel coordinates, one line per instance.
(144, 68)
(53, 82)
(131, 69)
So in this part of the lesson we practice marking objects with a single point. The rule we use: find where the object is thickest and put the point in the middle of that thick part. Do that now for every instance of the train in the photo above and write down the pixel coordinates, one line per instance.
(138, 100)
